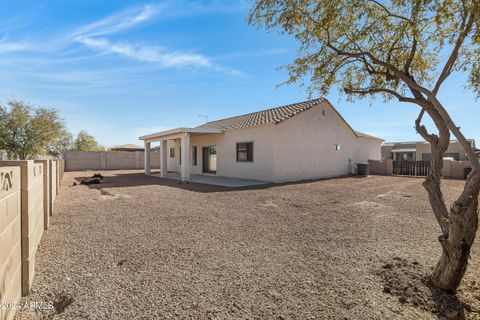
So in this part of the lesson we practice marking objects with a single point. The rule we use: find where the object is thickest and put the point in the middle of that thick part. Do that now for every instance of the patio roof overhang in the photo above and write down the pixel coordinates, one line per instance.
(404, 150)
(178, 133)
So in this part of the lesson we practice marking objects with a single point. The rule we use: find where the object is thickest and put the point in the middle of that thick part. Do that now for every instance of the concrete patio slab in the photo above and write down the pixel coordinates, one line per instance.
(216, 181)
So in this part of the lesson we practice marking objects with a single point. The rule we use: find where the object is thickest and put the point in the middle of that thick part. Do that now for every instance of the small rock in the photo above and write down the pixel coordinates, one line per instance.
(451, 314)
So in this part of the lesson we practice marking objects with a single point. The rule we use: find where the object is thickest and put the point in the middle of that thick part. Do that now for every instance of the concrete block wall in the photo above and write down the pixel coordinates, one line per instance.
(451, 169)
(10, 239)
(108, 160)
(382, 167)
(53, 181)
(32, 219)
(46, 194)
(26, 189)
(455, 169)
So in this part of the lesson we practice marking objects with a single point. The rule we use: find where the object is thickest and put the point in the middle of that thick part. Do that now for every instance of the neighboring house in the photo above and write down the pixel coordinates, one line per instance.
(299, 141)
(420, 150)
(128, 148)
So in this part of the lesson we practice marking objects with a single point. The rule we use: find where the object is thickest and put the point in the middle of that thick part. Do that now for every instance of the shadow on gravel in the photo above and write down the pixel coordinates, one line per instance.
(63, 301)
(410, 283)
(120, 180)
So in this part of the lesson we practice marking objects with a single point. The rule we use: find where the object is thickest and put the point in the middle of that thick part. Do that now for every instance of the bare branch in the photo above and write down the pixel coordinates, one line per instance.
(401, 75)
(389, 13)
(422, 130)
(447, 69)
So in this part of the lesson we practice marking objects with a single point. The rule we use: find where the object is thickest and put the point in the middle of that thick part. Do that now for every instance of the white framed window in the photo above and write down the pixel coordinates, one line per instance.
(245, 152)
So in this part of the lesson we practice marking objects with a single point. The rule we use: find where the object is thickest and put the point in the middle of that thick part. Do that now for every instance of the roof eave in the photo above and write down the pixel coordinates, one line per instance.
(179, 130)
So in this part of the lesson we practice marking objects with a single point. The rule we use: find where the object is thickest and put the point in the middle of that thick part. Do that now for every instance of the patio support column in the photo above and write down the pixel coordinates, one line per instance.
(185, 166)
(163, 158)
(147, 158)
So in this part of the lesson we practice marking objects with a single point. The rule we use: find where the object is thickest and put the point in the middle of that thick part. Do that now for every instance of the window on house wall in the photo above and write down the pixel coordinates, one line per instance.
(337, 147)
(180, 155)
(172, 152)
(323, 112)
(245, 152)
(194, 155)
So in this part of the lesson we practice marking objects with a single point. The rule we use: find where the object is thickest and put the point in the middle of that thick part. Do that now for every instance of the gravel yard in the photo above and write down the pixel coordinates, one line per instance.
(138, 247)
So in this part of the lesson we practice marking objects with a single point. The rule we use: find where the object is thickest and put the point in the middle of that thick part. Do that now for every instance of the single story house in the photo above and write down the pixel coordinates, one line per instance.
(128, 148)
(421, 151)
(305, 140)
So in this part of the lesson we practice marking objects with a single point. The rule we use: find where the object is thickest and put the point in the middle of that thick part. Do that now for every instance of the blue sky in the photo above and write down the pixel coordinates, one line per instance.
(120, 69)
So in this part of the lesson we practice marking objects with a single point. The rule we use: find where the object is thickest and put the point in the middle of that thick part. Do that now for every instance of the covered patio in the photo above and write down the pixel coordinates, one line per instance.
(181, 134)
(214, 180)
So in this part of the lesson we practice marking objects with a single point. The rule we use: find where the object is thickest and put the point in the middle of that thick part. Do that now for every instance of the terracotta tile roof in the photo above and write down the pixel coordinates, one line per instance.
(265, 117)
(274, 116)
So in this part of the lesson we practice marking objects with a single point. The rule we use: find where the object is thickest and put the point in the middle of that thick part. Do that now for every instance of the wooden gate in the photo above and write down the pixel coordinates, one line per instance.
(411, 168)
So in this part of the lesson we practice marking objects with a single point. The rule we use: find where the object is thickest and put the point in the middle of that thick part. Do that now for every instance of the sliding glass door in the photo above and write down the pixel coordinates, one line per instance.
(209, 157)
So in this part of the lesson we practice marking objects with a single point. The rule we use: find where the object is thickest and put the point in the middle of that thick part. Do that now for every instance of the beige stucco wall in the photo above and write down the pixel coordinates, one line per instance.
(454, 147)
(261, 168)
(305, 147)
(173, 162)
(302, 147)
(10, 239)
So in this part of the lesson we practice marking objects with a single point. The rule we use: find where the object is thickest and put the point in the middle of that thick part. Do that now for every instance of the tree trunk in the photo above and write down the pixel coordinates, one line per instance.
(456, 245)
(459, 225)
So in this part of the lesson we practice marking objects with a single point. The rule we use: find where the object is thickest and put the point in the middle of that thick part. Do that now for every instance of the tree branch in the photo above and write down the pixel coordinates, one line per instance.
(381, 90)
(407, 79)
(447, 69)
(422, 130)
(389, 13)
(406, 69)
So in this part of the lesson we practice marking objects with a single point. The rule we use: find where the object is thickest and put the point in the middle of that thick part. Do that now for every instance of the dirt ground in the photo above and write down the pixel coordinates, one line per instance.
(138, 247)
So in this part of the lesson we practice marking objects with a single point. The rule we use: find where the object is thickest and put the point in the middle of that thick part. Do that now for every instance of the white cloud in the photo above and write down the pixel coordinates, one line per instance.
(13, 46)
(148, 53)
(118, 22)
(94, 36)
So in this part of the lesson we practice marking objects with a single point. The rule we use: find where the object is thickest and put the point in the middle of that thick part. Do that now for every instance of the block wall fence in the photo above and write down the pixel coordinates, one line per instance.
(451, 169)
(108, 160)
(28, 190)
